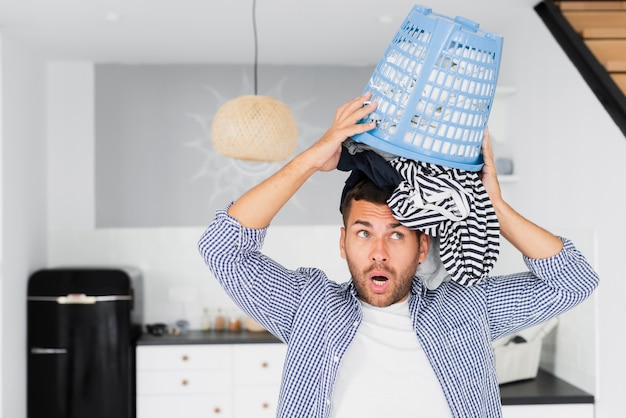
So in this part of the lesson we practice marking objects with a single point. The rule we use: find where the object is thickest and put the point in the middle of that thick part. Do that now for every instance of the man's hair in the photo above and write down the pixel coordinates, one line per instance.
(363, 190)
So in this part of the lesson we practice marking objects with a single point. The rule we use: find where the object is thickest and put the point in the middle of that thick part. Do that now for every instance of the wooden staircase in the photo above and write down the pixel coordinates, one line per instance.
(602, 26)
(593, 35)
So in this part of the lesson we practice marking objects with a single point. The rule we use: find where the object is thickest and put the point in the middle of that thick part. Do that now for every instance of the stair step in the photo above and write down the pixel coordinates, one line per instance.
(620, 80)
(607, 49)
(592, 5)
(615, 66)
(604, 33)
(597, 19)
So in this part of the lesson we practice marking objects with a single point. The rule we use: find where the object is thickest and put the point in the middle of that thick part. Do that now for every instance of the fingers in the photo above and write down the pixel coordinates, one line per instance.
(487, 140)
(347, 117)
(355, 110)
(487, 149)
(361, 127)
(488, 173)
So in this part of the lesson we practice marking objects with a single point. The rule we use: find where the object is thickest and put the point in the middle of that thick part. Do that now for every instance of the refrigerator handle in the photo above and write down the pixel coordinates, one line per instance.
(76, 299)
(46, 350)
(79, 299)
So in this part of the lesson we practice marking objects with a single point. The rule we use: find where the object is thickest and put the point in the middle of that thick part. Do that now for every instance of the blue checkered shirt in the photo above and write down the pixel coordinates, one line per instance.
(318, 318)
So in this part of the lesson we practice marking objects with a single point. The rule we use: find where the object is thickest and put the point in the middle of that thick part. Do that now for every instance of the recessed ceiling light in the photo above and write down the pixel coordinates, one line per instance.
(112, 17)
(385, 19)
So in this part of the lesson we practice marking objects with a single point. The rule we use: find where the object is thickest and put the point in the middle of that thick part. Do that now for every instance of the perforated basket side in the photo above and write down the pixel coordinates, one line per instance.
(434, 87)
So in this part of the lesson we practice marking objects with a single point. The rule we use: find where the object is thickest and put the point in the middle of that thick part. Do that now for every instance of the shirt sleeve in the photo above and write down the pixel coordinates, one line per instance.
(551, 286)
(261, 287)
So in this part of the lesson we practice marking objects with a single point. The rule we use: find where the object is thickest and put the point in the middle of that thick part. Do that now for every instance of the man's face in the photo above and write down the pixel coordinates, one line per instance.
(382, 254)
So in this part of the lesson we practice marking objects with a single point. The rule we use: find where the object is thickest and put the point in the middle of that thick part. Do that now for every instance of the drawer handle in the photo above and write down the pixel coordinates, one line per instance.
(185, 357)
(185, 382)
(217, 410)
(265, 365)
(265, 405)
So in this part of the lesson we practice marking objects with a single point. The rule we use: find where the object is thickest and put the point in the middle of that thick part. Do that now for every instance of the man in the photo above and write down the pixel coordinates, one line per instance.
(382, 344)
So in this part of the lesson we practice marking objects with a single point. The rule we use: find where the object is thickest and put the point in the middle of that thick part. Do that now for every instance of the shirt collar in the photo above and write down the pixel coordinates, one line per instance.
(417, 287)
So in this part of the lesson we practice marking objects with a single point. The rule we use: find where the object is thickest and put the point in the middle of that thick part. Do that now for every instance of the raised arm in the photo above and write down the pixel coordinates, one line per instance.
(257, 207)
(530, 239)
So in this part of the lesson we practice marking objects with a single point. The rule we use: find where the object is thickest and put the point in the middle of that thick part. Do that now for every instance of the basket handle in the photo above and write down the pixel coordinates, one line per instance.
(468, 24)
(422, 9)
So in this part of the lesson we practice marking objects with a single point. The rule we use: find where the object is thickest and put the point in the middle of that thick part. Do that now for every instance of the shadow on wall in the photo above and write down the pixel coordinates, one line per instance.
(154, 156)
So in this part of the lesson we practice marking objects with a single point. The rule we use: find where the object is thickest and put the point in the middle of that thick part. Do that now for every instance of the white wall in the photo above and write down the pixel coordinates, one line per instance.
(569, 158)
(70, 133)
(567, 150)
(1, 217)
(23, 191)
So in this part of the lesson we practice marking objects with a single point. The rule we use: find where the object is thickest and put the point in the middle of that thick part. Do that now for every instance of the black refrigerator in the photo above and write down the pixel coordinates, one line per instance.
(83, 325)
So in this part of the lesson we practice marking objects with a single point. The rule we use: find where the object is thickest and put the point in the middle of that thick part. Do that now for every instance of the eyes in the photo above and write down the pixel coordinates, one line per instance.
(394, 235)
(397, 235)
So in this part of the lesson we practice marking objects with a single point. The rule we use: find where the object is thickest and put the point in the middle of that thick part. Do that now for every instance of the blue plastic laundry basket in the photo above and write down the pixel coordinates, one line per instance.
(434, 87)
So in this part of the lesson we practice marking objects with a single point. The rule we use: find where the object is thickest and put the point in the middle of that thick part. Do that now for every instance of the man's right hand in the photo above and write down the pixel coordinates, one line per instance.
(258, 206)
(327, 149)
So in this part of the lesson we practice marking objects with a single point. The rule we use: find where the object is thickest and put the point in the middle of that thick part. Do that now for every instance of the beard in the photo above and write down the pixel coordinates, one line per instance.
(398, 287)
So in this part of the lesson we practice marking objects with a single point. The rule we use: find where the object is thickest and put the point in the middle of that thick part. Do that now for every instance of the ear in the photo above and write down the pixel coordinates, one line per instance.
(342, 243)
(424, 246)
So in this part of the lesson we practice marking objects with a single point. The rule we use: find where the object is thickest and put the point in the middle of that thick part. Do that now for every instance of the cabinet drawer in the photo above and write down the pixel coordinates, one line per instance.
(183, 382)
(258, 363)
(583, 410)
(184, 357)
(218, 406)
(256, 401)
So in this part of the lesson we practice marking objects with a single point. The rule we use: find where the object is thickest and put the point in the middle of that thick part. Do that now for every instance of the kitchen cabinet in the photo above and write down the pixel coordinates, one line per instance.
(257, 371)
(237, 375)
(182, 380)
(548, 411)
(209, 380)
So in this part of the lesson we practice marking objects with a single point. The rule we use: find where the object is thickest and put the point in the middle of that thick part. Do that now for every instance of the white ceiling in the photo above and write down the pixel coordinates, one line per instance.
(343, 32)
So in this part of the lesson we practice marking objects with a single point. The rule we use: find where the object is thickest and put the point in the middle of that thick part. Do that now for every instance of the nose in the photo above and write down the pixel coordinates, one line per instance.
(379, 251)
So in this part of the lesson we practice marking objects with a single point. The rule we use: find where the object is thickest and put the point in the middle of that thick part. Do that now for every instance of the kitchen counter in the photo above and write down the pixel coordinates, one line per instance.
(543, 390)
(210, 337)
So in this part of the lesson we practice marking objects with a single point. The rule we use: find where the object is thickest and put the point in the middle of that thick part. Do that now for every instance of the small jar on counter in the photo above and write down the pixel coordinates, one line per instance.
(206, 321)
(219, 324)
(234, 322)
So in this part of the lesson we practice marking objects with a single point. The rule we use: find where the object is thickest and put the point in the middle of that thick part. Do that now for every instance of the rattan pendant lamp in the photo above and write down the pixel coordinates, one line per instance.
(253, 127)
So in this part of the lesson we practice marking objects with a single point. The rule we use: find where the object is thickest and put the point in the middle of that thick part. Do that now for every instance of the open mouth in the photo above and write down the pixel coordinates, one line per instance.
(379, 280)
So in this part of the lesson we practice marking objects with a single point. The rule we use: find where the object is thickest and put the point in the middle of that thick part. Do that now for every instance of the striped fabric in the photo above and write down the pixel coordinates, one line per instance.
(453, 205)
(318, 318)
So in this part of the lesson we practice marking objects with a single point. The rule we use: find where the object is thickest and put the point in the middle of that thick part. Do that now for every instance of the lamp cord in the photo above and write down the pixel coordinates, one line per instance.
(256, 48)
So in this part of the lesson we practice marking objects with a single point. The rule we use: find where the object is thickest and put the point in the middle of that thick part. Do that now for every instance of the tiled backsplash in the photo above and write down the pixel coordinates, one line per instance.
(177, 284)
